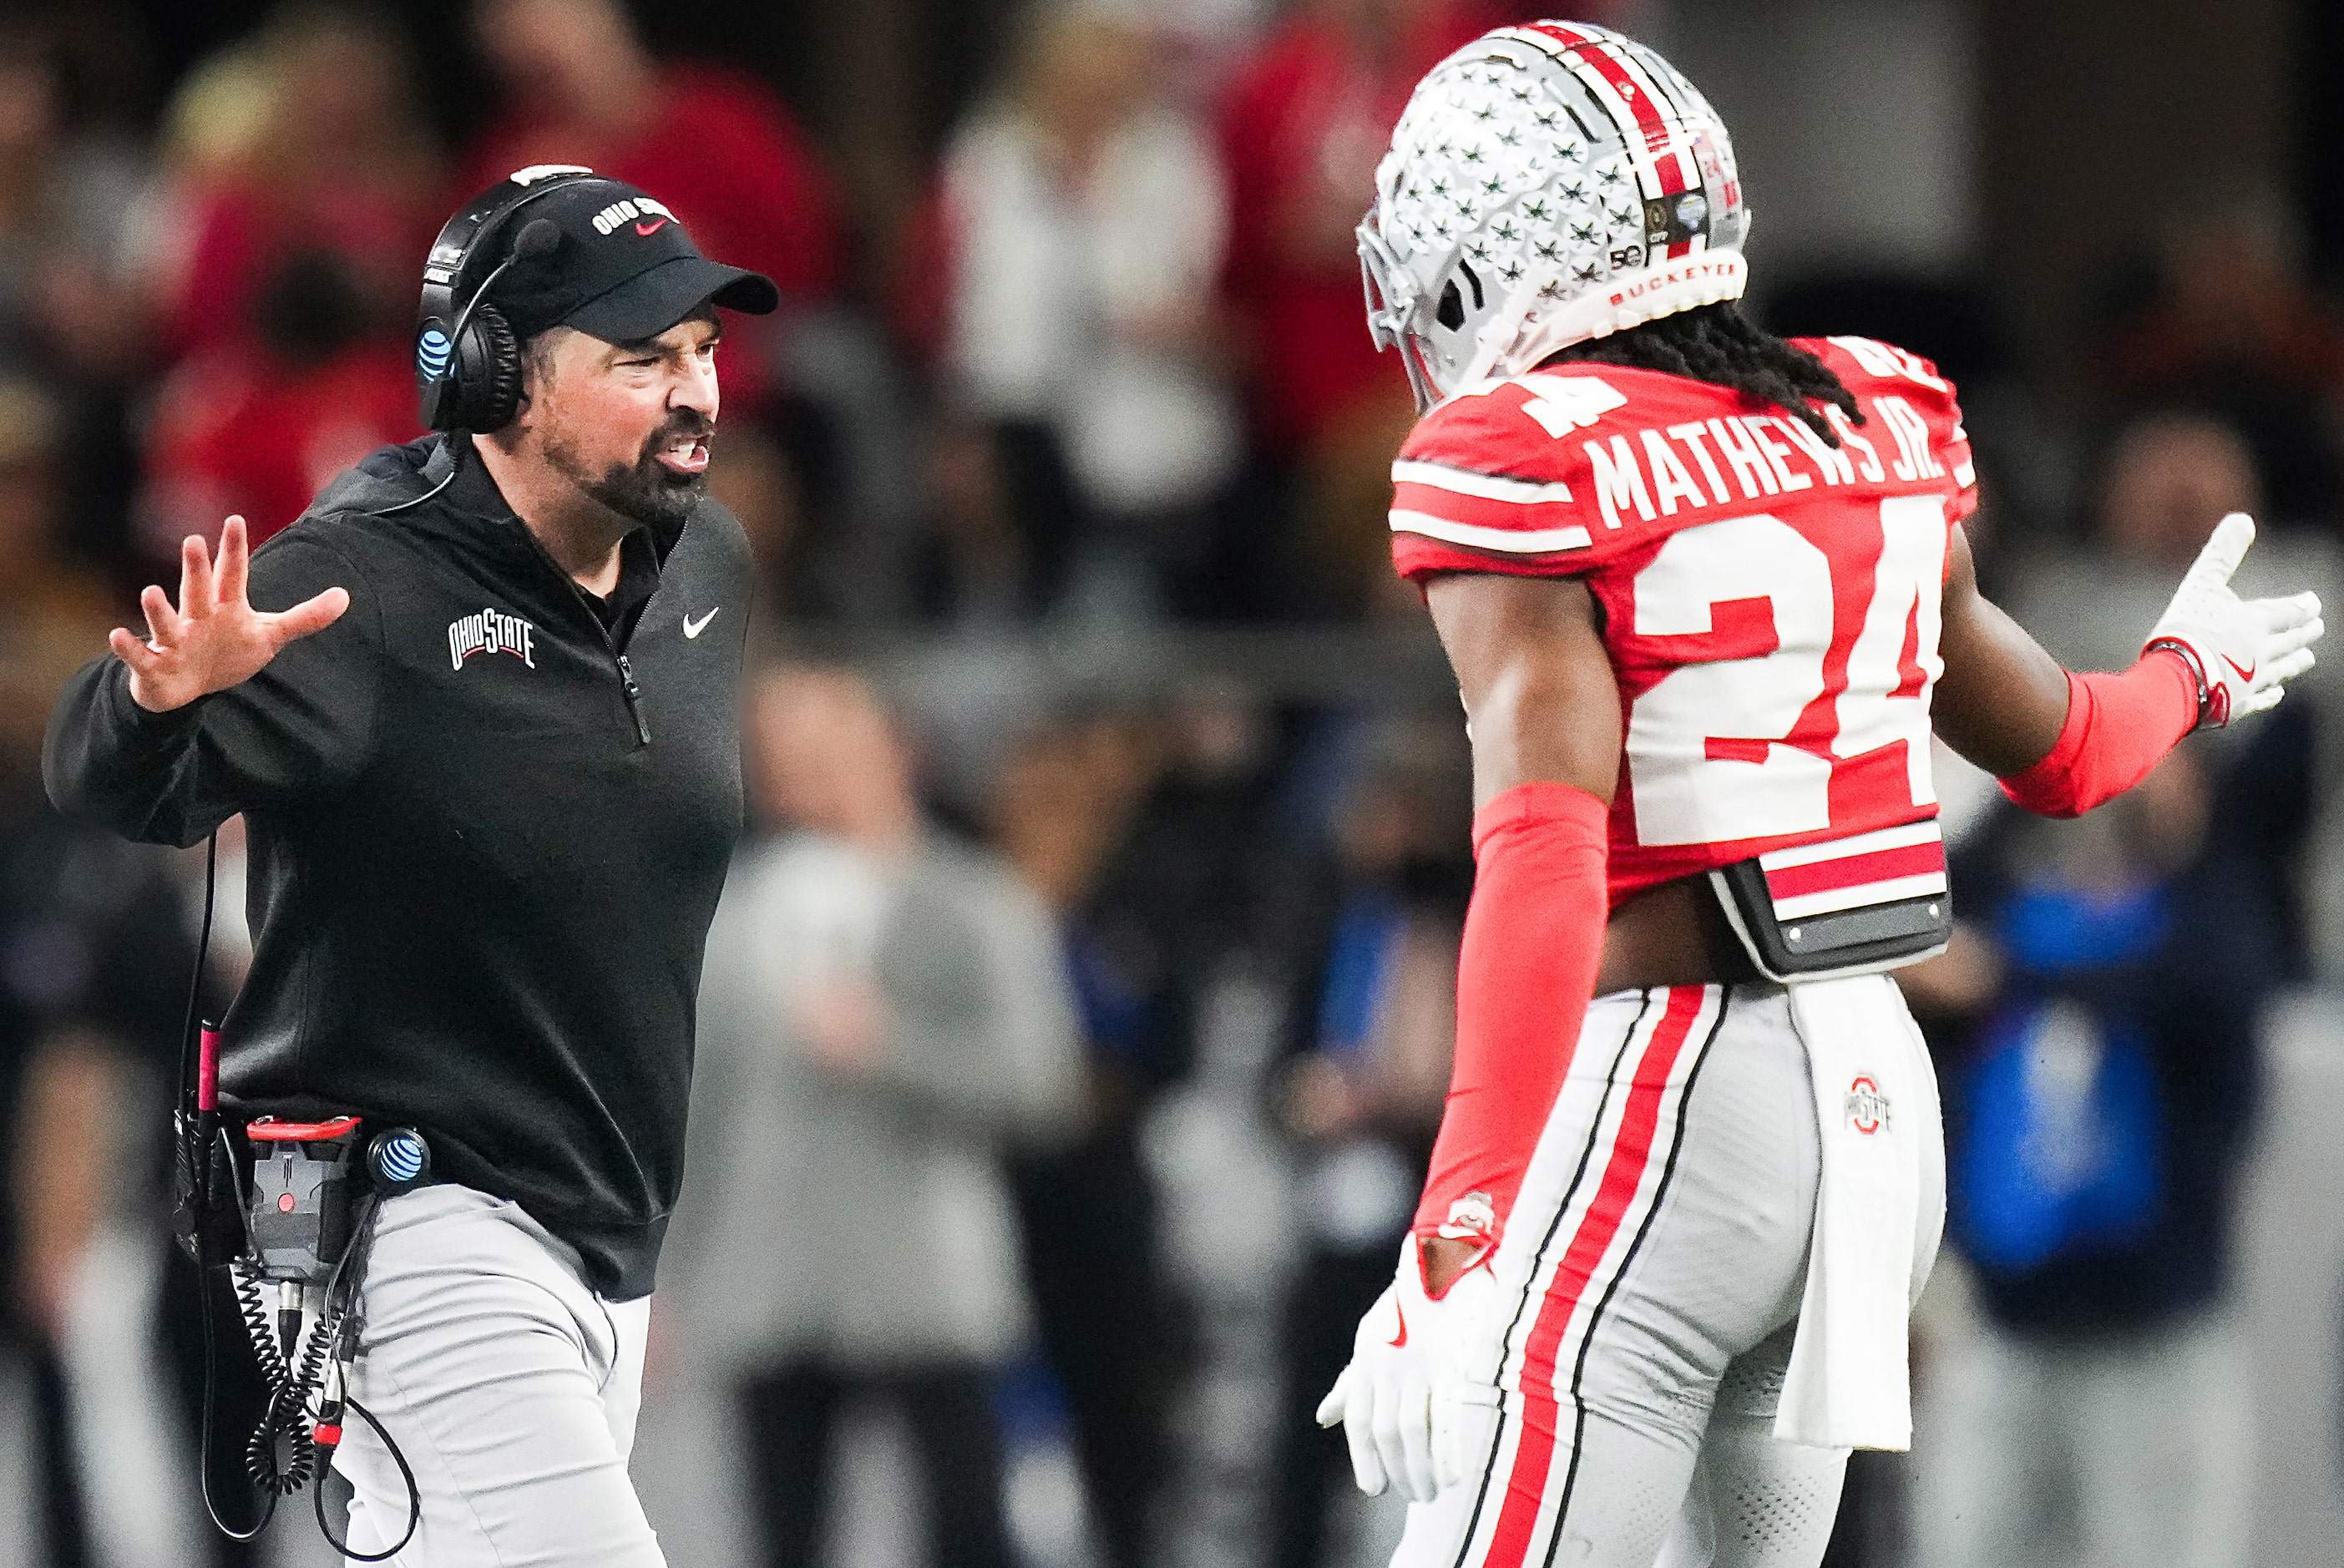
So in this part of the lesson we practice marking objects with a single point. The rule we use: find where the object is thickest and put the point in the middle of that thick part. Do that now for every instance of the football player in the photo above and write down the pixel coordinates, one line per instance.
(1705, 593)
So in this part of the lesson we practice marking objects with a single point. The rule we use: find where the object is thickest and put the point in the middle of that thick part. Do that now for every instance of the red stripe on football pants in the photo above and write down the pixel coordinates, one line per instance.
(1623, 1175)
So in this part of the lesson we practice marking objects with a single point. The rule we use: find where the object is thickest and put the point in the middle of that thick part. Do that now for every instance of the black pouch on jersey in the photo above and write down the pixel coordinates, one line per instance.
(1845, 907)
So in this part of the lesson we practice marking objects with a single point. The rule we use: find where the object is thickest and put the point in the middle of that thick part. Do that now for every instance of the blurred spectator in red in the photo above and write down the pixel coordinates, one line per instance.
(302, 194)
(712, 142)
(255, 428)
(305, 140)
(1302, 129)
(1064, 282)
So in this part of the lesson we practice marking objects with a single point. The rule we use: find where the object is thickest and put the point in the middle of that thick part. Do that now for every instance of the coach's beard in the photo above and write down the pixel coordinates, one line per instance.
(649, 490)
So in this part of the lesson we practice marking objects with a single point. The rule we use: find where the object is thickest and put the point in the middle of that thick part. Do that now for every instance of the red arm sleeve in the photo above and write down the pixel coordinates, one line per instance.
(1533, 938)
(2118, 727)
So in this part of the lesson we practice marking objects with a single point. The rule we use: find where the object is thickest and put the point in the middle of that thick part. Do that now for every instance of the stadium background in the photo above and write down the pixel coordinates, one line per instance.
(1081, 471)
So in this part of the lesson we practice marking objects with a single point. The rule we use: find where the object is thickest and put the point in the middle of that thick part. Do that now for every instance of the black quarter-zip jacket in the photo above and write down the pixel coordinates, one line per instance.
(487, 835)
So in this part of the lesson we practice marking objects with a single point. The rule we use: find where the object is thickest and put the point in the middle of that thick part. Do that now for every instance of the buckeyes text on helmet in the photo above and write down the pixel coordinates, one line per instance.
(1547, 184)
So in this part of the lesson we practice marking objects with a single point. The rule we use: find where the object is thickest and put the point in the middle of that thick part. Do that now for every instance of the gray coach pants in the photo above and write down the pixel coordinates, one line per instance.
(509, 1385)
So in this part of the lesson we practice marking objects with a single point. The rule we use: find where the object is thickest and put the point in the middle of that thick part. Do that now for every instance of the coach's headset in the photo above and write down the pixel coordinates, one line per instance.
(467, 360)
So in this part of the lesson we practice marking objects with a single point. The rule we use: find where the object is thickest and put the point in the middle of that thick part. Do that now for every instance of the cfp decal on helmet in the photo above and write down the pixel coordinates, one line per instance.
(1547, 184)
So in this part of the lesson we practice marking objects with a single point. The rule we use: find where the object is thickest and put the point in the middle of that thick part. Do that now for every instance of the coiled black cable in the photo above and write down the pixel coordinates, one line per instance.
(287, 1419)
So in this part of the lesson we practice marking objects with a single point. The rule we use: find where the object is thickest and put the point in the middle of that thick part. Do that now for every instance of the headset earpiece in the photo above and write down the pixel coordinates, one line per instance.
(487, 357)
(468, 365)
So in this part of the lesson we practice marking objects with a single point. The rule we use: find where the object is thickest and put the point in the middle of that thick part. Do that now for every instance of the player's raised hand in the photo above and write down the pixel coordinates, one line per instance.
(2246, 650)
(213, 638)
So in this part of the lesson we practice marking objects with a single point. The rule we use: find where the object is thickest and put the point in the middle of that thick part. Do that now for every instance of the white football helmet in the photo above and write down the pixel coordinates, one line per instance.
(1547, 184)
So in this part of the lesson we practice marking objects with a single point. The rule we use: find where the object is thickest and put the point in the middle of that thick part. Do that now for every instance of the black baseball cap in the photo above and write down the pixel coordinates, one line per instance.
(623, 269)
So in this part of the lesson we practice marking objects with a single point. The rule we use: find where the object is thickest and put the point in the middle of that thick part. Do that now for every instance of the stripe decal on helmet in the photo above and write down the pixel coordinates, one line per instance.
(1645, 108)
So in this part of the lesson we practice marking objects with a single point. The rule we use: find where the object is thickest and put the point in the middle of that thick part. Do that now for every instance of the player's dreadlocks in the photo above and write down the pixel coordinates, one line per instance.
(1717, 343)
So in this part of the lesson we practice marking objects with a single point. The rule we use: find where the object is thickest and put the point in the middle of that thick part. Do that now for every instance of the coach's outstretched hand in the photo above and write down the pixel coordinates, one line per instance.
(215, 638)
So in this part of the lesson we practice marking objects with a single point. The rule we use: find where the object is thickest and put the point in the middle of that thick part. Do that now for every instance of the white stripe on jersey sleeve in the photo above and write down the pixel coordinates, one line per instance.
(1505, 540)
(1482, 486)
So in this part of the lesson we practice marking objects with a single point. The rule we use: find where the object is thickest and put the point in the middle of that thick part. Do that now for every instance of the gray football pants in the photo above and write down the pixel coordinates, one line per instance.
(1654, 1264)
(509, 1385)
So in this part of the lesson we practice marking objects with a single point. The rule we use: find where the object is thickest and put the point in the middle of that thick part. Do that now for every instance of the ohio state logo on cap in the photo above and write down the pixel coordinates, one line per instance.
(648, 215)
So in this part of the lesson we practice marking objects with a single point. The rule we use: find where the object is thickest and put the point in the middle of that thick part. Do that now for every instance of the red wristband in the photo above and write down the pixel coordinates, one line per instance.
(1534, 939)
(2118, 727)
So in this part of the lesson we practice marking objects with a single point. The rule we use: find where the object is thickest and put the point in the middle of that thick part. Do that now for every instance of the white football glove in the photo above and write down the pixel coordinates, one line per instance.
(1402, 1399)
(2246, 650)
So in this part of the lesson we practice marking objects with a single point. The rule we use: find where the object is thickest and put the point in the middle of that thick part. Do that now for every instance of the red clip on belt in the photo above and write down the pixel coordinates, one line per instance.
(267, 1129)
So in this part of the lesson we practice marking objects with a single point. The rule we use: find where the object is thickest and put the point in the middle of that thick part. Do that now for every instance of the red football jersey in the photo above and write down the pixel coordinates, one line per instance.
(1771, 603)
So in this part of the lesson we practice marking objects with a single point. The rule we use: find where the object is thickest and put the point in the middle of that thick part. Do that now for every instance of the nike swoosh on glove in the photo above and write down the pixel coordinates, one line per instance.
(1401, 1399)
(2244, 650)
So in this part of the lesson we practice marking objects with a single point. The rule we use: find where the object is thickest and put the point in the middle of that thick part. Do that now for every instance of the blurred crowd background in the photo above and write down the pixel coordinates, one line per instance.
(1078, 1016)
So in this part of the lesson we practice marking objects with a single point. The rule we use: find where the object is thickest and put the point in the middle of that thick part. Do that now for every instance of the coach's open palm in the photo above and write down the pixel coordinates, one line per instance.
(215, 638)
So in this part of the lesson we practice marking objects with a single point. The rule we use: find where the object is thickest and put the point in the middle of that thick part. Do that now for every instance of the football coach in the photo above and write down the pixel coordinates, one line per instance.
(477, 707)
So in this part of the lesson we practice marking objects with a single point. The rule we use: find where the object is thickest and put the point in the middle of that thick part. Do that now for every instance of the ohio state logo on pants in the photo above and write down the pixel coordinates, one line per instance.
(1867, 1108)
